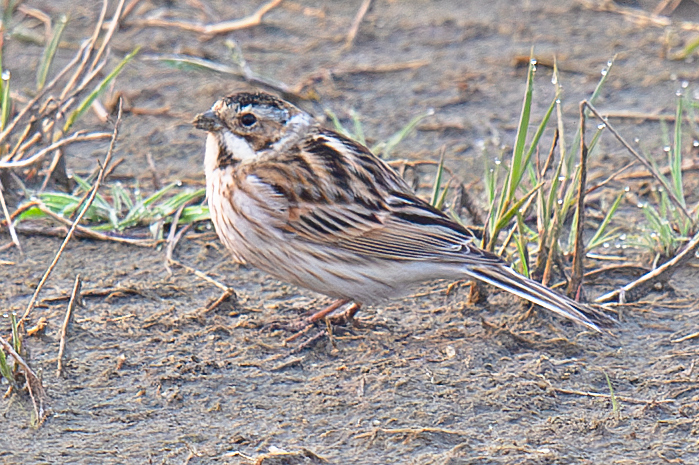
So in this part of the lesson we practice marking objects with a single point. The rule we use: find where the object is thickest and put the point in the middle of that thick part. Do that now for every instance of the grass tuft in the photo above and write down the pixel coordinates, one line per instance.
(669, 224)
(122, 209)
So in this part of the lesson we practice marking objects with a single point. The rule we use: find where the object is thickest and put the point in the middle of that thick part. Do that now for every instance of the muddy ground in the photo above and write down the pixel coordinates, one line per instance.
(152, 378)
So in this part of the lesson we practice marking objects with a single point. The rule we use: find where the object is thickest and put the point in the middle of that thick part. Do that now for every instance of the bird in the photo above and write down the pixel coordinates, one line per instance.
(314, 208)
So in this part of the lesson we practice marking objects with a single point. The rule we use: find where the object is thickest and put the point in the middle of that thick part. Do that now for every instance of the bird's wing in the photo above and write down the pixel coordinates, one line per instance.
(402, 228)
(336, 193)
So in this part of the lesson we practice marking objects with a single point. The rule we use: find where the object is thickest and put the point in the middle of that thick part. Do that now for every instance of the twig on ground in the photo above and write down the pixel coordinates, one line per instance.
(10, 226)
(108, 35)
(645, 116)
(628, 267)
(90, 45)
(97, 292)
(210, 30)
(95, 187)
(57, 157)
(685, 338)
(75, 299)
(129, 8)
(242, 72)
(661, 272)
(154, 172)
(227, 294)
(632, 14)
(666, 7)
(577, 272)
(76, 137)
(200, 274)
(687, 165)
(377, 69)
(630, 400)
(80, 231)
(40, 15)
(638, 16)
(281, 456)
(411, 432)
(610, 178)
(352, 33)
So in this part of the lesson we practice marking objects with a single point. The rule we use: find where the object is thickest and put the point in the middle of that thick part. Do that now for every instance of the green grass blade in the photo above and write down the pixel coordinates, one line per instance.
(104, 209)
(491, 181)
(172, 204)
(6, 100)
(518, 162)
(85, 104)
(568, 201)
(194, 213)
(58, 202)
(9, 8)
(439, 205)
(65, 204)
(16, 339)
(521, 244)
(437, 181)
(159, 194)
(676, 161)
(337, 125)
(537, 136)
(552, 199)
(688, 50)
(30, 214)
(50, 52)
(612, 396)
(605, 75)
(141, 211)
(358, 128)
(384, 149)
(517, 165)
(599, 238)
(512, 211)
(125, 198)
(5, 369)
(652, 216)
(190, 63)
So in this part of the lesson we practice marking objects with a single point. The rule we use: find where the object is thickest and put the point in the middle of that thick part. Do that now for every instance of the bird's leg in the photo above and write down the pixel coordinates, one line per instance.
(304, 325)
(328, 310)
(346, 316)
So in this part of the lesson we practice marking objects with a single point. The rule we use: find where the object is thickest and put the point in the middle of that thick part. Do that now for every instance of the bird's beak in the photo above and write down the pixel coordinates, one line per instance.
(208, 121)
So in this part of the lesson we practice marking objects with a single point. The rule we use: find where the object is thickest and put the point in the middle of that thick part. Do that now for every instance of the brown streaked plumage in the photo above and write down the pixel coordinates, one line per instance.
(316, 209)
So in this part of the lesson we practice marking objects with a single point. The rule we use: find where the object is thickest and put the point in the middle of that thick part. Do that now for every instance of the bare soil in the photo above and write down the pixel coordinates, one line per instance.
(151, 377)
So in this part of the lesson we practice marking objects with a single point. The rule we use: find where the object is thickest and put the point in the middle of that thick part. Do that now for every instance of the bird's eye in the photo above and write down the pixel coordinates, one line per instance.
(248, 119)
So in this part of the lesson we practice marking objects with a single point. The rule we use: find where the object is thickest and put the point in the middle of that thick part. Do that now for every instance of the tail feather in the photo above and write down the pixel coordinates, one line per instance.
(508, 280)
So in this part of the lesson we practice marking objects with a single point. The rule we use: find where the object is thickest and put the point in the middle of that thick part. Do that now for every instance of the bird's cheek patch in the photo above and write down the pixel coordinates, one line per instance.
(238, 146)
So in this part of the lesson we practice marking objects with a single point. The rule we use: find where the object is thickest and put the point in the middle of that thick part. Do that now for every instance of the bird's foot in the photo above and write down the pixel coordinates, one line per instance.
(304, 326)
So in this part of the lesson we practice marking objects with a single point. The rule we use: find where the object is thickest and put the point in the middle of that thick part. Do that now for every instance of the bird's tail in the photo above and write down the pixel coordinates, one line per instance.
(507, 279)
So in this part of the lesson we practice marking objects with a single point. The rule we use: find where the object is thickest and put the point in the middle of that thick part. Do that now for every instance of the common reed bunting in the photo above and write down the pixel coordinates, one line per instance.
(311, 207)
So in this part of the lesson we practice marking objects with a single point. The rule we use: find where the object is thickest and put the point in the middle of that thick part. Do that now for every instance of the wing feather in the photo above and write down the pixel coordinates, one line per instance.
(375, 215)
